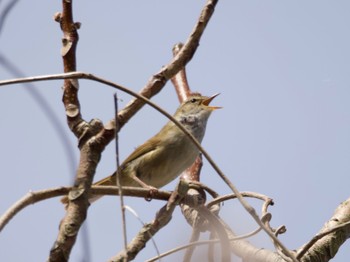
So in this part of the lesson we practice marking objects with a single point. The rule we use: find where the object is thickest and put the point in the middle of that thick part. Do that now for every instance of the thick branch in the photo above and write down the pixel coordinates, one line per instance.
(333, 234)
(68, 52)
(77, 209)
(89, 144)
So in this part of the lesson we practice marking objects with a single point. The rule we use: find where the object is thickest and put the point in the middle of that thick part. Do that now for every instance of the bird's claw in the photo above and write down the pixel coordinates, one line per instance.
(151, 193)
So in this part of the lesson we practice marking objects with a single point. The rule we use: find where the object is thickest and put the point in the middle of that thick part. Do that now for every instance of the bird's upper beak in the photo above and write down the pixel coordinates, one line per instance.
(207, 101)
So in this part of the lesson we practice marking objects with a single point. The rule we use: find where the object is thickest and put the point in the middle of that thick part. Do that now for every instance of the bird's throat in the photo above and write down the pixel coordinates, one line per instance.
(195, 125)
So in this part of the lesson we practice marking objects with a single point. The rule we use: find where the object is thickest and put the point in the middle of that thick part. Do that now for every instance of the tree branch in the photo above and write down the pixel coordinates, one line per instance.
(333, 234)
(37, 196)
(91, 143)
(158, 81)
(71, 86)
(150, 229)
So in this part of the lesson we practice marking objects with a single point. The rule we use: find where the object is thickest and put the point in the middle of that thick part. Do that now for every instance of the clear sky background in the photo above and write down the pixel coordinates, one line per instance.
(282, 68)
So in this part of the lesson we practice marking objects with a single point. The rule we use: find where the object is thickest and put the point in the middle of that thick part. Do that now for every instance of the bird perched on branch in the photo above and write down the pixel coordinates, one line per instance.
(166, 155)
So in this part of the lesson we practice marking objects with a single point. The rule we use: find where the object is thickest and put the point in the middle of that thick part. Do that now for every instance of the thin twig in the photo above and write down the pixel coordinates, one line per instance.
(132, 211)
(118, 175)
(249, 194)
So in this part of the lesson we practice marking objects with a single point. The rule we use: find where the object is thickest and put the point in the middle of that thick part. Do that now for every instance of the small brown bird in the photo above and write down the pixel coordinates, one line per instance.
(166, 155)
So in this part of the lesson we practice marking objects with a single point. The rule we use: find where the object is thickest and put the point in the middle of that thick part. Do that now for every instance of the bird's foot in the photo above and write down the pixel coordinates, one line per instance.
(151, 193)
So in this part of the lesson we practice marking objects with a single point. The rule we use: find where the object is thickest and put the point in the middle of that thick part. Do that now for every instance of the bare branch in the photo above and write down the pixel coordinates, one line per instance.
(29, 199)
(37, 196)
(333, 234)
(90, 143)
(148, 230)
(90, 154)
(68, 50)
(6, 12)
(157, 82)
(180, 79)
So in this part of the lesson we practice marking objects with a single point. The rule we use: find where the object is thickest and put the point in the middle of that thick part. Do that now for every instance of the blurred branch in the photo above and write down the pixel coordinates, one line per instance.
(6, 12)
(189, 247)
(217, 228)
(198, 243)
(47, 110)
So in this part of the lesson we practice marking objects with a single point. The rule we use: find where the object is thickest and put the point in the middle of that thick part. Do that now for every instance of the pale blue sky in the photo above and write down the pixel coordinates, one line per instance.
(282, 68)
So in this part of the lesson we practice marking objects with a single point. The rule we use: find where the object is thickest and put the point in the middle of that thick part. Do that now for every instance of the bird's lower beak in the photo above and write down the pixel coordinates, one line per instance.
(207, 101)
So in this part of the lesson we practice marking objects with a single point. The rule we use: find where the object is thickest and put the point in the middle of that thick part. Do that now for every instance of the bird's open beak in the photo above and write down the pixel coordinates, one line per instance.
(207, 101)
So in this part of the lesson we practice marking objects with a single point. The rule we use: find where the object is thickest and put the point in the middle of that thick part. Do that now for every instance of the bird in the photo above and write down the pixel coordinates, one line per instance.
(167, 154)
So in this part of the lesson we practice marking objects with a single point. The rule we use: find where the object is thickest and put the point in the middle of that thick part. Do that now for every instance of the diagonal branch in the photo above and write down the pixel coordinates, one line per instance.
(150, 229)
(158, 81)
(334, 233)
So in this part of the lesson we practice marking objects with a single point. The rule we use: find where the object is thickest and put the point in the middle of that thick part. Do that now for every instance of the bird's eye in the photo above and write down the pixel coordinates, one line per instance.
(193, 100)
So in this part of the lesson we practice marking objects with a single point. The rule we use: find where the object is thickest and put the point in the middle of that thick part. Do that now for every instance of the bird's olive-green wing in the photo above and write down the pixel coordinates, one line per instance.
(145, 148)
